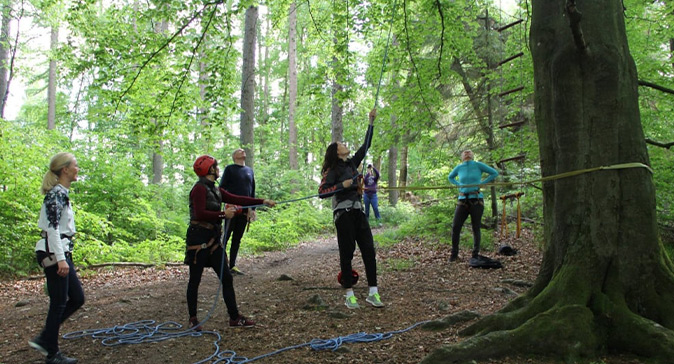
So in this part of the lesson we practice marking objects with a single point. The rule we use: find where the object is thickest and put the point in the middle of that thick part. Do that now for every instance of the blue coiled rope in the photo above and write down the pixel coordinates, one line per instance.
(146, 332)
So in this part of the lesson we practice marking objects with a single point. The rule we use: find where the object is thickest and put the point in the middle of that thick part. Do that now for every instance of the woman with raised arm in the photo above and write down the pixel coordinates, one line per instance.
(340, 181)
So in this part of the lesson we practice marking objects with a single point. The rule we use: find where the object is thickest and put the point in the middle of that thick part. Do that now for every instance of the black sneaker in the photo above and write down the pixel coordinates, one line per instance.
(194, 324)
(39, 345)
(59, 358)
(453, 257)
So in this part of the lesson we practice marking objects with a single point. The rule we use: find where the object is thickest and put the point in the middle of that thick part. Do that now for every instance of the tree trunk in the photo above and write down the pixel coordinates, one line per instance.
(403, 164)
(393, 156)
(157, 165)
(605, 285)
(340, 55)
(337, 112)
(51, 86)
(157, 158)
(292, 87)
(4, 54)
(264, 117)
(248, 86)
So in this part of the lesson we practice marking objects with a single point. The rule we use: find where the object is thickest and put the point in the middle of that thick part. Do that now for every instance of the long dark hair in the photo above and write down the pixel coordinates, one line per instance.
(330, 159)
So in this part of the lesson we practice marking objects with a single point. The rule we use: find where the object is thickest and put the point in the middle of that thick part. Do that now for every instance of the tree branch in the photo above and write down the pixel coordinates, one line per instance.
(657, 87)
(662, 145)
(442, 36)
(156, 52)
(189, 65)
(574, 17)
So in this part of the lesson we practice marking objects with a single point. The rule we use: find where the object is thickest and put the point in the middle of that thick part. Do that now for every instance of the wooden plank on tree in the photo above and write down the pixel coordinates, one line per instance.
(517, 123)
(516, 158)
(520, 54)
(509, 25)
(511, 91)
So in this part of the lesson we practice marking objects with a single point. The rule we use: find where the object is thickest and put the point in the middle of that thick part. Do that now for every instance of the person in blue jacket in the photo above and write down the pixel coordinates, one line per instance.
(471, 200)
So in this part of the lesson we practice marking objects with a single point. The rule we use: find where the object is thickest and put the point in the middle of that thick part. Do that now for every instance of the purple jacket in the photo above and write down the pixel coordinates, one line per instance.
(371, 182)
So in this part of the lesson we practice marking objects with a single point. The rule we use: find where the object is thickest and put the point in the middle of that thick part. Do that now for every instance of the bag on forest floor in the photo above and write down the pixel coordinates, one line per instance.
(507, 250)
(484, 262)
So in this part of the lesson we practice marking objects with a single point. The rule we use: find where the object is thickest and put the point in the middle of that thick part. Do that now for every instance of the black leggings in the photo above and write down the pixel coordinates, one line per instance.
(237, 226)
(215, 261)
(475, 208)
(353, 228)
(65, 297)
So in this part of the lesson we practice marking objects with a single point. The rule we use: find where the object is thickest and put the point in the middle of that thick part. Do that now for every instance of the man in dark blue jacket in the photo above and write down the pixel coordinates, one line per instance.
(238, 179)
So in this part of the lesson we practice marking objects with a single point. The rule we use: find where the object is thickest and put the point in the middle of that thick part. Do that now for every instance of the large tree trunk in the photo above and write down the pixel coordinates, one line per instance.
(5, 10)
(248, 86)
(606, 284)
(51, 86)
(292, 87)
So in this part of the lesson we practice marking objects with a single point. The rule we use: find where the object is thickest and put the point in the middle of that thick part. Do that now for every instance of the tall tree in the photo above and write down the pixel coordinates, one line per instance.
(292, 87)
(5, 12)
(51, 83)
(248, 85)
(339, 63)
(157, 158)
(605, 284)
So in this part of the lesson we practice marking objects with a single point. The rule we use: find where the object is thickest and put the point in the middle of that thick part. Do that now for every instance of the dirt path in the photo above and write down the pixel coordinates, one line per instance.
(416, 283)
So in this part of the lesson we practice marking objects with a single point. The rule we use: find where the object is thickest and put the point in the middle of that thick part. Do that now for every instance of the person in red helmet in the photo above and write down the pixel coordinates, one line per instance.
(204, 245)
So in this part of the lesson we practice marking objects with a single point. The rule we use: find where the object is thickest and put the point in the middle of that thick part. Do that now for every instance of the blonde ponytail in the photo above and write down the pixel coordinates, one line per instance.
(51, 178)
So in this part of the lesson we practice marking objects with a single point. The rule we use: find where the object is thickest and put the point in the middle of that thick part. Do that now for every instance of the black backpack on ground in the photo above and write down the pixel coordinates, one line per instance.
(484, 262)
(507, 250)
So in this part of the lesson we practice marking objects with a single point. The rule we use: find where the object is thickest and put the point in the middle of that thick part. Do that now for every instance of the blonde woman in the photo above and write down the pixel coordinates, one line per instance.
(54, 254)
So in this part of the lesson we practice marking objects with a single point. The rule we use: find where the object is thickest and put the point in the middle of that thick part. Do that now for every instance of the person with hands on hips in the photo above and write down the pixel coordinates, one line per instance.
(54, 255)
(238, 179)
(203, 238)
(470, 201)
(339, 181)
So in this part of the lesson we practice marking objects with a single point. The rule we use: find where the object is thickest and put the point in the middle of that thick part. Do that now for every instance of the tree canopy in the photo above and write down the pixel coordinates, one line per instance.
(143, 88)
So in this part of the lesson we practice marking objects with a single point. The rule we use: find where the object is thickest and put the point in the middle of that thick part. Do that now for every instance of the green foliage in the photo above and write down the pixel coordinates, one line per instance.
(282, 227)
(129, 91)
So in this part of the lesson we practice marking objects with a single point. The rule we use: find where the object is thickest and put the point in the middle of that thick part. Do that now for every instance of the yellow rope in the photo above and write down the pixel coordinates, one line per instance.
(543, 179)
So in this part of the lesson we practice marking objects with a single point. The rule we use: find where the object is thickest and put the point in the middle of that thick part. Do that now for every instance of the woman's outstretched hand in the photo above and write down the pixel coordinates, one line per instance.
(373, 115)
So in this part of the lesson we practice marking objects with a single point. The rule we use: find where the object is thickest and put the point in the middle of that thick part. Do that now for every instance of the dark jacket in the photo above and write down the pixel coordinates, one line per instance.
(331, 185)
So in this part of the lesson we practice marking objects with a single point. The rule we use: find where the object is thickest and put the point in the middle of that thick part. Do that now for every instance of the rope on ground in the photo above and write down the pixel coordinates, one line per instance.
(147, 332)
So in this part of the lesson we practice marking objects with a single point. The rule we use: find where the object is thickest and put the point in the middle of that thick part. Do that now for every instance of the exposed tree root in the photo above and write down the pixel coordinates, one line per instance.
(567, 331)
(562, 331)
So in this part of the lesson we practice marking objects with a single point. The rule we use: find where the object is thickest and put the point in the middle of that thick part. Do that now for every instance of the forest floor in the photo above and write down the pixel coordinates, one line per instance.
(416, 283)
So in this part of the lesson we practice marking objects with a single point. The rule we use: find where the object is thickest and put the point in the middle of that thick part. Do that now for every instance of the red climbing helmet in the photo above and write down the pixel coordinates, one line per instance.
(354, 274)
(203, 164)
